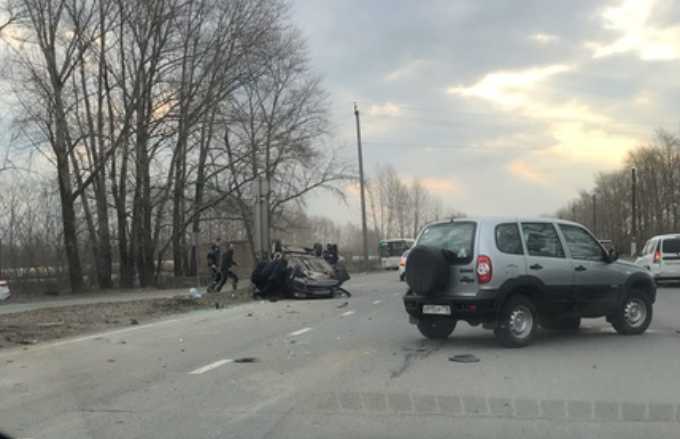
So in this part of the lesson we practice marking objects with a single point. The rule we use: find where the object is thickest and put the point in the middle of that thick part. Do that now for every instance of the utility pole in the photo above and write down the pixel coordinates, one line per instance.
(361, 186)
(633, 196)
(595, 214)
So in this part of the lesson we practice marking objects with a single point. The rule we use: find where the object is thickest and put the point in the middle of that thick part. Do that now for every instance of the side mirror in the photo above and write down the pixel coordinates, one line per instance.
(612, 256)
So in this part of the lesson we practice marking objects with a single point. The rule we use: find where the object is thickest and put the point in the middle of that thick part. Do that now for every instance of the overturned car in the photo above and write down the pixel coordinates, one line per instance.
(301, 273)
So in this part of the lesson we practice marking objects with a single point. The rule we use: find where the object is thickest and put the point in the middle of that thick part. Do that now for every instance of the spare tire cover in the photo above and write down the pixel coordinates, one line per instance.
(427, 270)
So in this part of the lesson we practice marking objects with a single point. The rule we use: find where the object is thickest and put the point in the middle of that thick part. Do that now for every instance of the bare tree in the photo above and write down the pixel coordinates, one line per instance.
(278, 126)
(658, 195)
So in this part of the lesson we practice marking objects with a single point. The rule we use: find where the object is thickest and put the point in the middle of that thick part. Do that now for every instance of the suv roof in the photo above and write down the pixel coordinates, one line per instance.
(506, 219)
(666, 236)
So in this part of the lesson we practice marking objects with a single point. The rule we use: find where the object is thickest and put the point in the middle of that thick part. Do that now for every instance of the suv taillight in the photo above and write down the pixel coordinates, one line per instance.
(484, 269)
(657, 256)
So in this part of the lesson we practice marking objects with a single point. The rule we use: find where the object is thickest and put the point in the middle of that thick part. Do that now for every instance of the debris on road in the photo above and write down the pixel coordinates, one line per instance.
(246, 360)
(111, 360)
(250, 314)
(195, 293)
(49, 324)
(28, 341)
(464, 358)
(344, 304)
(54, 323)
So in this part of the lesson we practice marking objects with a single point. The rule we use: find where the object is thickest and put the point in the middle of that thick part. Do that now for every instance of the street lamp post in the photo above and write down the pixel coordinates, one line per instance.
(361, 186)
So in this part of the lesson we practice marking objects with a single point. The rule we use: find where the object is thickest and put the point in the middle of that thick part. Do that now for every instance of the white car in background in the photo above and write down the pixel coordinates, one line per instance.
(4, 290)
(661, 256)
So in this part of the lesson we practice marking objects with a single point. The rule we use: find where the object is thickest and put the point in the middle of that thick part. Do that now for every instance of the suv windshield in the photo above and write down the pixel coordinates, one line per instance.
(457, 237)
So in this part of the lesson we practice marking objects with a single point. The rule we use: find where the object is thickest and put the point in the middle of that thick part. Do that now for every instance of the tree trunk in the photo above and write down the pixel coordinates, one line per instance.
(69, 223)
(66, 192)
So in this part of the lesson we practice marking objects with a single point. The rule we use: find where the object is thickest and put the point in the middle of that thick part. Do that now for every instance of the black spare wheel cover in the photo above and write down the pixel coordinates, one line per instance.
(427, 270)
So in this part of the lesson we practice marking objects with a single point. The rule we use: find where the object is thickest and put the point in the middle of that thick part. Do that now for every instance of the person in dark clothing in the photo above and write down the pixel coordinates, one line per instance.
(225, 268)
(214, 258)
(330, 254)
(276, 281)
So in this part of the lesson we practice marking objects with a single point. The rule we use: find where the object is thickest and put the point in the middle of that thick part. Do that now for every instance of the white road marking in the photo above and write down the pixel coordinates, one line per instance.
(299, 332)
(210, 366)
(377, 302)
(347, 313)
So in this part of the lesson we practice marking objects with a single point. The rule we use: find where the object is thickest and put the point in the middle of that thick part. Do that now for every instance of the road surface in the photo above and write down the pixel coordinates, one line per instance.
(360, 370)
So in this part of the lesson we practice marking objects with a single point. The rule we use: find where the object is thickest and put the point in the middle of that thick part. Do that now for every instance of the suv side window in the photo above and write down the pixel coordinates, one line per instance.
(542, 240)
(508, 239)
(581, 244)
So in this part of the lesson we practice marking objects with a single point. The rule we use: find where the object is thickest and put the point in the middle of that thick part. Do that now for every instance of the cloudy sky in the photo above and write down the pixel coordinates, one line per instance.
(502, 107)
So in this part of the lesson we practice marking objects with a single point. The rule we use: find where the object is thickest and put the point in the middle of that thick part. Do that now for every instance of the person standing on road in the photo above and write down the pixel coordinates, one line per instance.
(225, 269)
(214, 259)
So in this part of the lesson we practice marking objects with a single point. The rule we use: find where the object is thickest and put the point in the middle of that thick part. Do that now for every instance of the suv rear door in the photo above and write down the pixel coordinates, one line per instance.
(457, 237)
(596, 283)
(547, 261)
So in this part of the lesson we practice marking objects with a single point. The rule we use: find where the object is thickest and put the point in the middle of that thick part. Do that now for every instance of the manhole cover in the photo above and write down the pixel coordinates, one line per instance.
(464, 358)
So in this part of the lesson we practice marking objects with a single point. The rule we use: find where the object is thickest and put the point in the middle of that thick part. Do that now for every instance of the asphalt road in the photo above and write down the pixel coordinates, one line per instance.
(333, 371)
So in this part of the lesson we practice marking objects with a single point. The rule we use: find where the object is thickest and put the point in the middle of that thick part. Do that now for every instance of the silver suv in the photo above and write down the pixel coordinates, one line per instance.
(513, 274)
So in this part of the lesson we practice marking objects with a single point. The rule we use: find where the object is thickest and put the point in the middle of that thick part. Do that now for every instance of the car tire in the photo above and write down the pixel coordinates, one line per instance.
(561, 324)
(436, 328)
(517, 323)
(634, 314)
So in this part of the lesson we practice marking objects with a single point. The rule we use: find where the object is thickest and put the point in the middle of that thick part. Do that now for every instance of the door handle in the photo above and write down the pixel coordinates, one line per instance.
(580, 268)
(536, 267)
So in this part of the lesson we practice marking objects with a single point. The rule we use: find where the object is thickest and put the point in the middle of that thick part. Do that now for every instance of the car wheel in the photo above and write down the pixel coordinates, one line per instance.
(634, 315)
(517, 323)
(436, 328)
(562, 324)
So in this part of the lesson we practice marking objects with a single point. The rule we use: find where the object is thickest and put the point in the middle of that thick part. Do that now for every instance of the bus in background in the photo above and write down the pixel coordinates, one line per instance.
(390, 251)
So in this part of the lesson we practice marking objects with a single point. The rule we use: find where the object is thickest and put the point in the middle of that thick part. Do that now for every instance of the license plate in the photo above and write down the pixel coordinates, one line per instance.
(437, 309)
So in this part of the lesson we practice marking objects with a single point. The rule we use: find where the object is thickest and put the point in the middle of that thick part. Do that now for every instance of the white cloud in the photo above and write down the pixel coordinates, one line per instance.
(386, 109)
(578, 133)
(407, 71)
(630, 20)
(524, 171)
(440, 185)
(544, 39)
(509, 89)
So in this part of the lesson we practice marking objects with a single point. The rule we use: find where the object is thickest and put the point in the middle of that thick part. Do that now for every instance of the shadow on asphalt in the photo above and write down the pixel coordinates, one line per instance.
(486, 339)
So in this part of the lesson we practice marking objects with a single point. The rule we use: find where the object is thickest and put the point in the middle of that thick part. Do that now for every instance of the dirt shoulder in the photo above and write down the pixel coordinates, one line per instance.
(47, 324)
